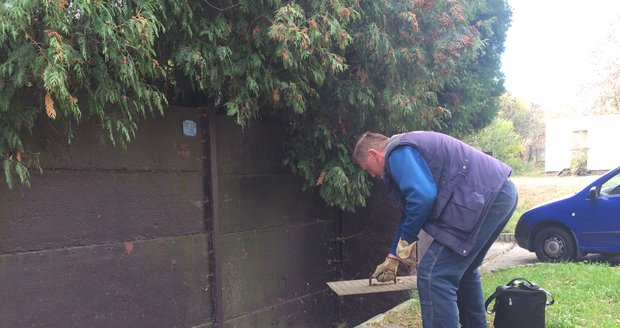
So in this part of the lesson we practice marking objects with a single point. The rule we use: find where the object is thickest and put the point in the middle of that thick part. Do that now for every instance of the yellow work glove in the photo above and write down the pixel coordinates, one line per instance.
(386, 271)
(404, 250)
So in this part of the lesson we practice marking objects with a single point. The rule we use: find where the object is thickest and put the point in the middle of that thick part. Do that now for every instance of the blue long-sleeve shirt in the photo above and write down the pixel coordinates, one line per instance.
(417, 187)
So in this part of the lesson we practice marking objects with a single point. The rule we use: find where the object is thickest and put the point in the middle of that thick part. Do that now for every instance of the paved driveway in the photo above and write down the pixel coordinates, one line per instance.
(507, 254)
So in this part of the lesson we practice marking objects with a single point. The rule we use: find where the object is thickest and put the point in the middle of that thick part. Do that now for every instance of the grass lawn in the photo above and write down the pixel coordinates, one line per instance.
(586, 294)
(534, 191)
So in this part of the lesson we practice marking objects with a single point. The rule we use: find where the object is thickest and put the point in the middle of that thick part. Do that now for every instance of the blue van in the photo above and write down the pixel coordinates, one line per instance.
(566, 229)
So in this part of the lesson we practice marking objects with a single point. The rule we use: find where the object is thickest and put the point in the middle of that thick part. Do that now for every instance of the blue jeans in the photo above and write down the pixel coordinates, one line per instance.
(449, 284)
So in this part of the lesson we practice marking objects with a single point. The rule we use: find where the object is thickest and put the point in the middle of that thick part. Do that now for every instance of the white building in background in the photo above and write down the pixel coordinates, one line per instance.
(598, 137)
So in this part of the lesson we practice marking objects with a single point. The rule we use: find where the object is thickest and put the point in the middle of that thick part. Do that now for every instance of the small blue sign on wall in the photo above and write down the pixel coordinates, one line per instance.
(189, 128)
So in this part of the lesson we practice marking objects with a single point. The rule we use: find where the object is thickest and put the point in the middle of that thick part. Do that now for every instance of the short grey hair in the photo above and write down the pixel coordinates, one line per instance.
(368, 140)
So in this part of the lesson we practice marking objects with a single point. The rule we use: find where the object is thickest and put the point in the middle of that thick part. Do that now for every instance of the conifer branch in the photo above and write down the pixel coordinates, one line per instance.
(221, 9)
(35, 43)
(254, 21)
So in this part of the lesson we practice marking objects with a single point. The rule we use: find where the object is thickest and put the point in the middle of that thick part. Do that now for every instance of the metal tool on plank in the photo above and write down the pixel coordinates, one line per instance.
(365, 286)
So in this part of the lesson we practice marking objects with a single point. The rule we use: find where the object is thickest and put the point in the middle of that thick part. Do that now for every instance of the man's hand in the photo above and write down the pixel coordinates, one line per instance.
(386, 271)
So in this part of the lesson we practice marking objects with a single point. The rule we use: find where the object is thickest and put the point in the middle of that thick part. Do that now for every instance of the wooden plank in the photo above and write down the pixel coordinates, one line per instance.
(361, 286)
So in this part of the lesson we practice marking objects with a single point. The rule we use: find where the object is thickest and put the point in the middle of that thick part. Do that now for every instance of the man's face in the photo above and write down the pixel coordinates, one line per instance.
(374, 163)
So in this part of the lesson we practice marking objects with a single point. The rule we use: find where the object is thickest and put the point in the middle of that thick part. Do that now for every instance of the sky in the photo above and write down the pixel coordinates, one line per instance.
(553, 46)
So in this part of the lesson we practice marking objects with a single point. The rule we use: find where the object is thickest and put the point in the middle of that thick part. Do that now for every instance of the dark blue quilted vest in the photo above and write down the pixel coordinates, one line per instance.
(467, 183)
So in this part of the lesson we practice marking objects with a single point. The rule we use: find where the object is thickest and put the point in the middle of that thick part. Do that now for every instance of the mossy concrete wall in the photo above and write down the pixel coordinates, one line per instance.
(276, 240)
(174, 231)
(107, 237)
(372, 229)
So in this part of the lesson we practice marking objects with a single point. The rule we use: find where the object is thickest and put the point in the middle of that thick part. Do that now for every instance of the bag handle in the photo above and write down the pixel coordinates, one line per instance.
(549, 294)
(513, 282)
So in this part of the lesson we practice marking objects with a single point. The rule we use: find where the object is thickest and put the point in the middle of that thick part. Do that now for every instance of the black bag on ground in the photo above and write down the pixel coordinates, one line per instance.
(519, 304)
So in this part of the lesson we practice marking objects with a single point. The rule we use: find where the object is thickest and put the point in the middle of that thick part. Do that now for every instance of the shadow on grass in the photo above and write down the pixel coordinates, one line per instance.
(611, 259)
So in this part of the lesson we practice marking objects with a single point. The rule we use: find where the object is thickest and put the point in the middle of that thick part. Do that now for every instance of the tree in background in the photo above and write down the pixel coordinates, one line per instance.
(326, 69)
(608, 100)
(528, 121)
(500, 140)
(516, 136)
(602, 96)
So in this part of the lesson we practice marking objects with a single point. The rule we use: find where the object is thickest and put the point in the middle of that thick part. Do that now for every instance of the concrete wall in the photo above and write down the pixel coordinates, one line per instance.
(180, 231)
(148, 237)
(106, 237)
(372, 229)
(601, 139)
(276, 240)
